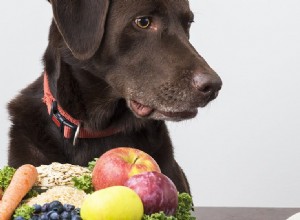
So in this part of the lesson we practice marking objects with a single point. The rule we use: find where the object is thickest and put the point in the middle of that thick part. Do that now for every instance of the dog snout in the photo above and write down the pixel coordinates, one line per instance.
(207, 84)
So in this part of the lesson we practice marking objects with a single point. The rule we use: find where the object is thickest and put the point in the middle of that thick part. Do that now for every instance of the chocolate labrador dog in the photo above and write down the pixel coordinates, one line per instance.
(115, 70)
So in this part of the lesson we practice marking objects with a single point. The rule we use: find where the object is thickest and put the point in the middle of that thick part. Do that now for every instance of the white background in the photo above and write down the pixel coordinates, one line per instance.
(244, 148)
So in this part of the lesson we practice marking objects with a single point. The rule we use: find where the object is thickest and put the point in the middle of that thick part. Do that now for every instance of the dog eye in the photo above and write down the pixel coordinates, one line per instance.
(143, 22)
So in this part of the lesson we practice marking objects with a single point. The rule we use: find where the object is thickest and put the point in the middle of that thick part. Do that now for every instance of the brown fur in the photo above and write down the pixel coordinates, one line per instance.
(98, 61)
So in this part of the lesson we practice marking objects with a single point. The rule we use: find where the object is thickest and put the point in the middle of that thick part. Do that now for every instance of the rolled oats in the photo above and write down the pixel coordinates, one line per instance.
(57, 174)
(64, 194)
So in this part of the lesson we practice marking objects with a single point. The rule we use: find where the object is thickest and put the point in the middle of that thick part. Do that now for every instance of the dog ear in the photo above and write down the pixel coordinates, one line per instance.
(81, 23)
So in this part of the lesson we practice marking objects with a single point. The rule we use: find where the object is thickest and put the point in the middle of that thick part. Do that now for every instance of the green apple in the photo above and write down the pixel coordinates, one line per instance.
(112, 203)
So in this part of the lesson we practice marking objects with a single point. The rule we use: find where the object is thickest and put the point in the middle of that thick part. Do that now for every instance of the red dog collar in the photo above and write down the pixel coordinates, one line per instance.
(70, 127)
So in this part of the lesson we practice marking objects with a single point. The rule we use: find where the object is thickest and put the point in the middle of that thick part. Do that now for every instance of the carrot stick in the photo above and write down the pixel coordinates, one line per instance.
(21, 183)
(1, 193)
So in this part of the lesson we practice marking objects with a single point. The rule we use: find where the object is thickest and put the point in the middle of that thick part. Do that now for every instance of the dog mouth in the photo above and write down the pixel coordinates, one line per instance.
(143, 111)
(140, 109)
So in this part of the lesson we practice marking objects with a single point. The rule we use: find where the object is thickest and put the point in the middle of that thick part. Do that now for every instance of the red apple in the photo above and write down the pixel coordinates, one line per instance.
(116, 166)
(157, 192)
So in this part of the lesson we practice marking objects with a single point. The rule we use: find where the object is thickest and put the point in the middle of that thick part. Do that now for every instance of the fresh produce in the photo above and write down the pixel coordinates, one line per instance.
(159, 216)
(92, 164)
(24, 211)
(6, 174)
(21, 183)
(112, 203)
(185, 205)
(116, 166)
(157, 192)
(84, 183)
(38, 211)
(183, 212)
(48, 211)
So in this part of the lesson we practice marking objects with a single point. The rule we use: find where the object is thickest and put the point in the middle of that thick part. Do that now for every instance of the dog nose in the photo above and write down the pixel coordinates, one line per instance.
(207, 84)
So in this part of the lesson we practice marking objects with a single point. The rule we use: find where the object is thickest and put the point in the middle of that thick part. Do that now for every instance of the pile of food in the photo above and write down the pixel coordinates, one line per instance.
(124, 183)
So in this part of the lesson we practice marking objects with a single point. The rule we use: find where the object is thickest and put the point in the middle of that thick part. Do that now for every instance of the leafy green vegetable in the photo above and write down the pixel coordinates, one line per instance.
(183, 212)
(6, 174)
(92, 164)
(158, 216)
(185, 205)
(32, 193)
(84, 183)
(24, 211)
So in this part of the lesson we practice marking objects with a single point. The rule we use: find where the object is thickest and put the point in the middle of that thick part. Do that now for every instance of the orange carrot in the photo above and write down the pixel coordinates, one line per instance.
(21, 183)
(1, 193)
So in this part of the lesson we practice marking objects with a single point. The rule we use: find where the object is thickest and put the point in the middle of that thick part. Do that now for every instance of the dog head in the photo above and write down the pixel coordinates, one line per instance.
(141, 49)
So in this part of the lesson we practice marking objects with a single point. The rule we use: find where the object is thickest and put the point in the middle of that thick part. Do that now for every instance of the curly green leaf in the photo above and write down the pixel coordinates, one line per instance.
(6, 174)
(84, 183)
(24, 211)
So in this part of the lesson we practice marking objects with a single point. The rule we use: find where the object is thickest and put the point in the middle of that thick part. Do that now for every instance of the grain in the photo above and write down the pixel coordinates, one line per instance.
(64, 194)
(57, 174)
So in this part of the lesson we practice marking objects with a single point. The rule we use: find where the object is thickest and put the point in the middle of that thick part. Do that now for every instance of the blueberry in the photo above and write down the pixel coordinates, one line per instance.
(73, 212)
(56, 206)
(54, 216)
(35, 217)
(45, 207)
(65, 215)
(37, 208)
(49, 213)
(44, 217)
(77, 210)
(68, 207)
(19, 218)
(76, 217)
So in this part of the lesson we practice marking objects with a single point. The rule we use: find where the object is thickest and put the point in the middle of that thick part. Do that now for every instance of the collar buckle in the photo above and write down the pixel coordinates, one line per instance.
(61, 121)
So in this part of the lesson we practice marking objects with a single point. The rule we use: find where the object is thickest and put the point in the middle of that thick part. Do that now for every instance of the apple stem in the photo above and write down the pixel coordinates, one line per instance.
(135, 160)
